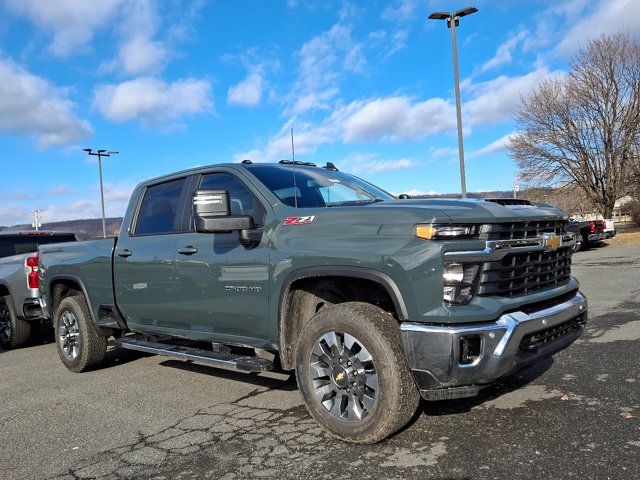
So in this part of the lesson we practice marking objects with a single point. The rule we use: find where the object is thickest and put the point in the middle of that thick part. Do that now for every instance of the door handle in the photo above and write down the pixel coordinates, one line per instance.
(189, 250)
(124, 253)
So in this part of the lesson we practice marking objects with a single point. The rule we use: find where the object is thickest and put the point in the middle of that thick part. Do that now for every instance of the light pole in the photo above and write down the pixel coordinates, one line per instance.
(100, 154)
(453, 20)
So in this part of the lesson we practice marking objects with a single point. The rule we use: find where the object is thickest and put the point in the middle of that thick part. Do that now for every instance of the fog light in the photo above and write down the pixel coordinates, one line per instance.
(470, 348)
(459, 282)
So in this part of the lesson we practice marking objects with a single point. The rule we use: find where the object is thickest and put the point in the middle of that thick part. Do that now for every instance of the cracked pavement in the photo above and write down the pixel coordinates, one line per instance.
(147, 417)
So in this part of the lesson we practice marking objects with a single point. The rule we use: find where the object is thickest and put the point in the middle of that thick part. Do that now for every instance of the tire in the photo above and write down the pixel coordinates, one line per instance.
(384, 395)
(79, 347)
(14, 331)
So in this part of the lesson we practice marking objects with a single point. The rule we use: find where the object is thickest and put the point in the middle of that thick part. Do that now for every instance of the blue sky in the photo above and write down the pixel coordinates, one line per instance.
(174, 84)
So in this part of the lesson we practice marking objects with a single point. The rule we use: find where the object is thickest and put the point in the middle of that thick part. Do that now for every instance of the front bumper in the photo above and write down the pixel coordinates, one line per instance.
(436, 353)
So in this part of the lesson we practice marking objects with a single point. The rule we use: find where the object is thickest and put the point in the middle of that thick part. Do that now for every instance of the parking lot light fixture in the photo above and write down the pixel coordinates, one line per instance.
(453, 20)
(101, 153)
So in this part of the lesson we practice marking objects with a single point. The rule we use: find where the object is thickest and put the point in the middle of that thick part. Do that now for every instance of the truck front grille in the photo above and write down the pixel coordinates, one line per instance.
(532, 342)
(525, 272)
(517, 230)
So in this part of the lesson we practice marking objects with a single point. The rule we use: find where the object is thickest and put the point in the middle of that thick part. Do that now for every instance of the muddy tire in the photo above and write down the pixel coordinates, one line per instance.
(14, 331)
(352, 373)
(79, 346)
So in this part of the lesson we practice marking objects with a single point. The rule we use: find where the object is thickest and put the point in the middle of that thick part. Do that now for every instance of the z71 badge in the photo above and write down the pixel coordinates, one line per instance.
(299, 220)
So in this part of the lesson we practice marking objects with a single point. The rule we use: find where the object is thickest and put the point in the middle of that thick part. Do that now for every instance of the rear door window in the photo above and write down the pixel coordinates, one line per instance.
(159, 209)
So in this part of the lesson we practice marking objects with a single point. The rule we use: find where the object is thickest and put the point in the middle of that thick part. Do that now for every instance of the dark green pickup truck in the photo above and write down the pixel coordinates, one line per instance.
(373, 300)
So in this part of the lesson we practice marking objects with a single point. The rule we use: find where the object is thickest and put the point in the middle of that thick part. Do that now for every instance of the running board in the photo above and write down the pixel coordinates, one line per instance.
(227, 361)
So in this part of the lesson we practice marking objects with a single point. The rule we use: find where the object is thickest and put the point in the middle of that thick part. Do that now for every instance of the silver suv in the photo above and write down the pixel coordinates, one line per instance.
(19, 305)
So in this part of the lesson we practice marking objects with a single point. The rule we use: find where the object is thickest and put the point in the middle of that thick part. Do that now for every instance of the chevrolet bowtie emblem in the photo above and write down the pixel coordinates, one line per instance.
(551, 241)
(339, 376)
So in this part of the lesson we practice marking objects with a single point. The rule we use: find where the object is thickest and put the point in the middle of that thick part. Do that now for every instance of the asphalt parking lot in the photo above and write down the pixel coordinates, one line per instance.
(576, 416)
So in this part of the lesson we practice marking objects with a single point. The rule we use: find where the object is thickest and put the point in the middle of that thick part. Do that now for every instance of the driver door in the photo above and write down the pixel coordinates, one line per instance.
(222, 286)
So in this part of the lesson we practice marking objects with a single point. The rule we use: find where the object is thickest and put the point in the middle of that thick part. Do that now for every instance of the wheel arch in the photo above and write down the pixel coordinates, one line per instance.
(64, 285)
(290, 327)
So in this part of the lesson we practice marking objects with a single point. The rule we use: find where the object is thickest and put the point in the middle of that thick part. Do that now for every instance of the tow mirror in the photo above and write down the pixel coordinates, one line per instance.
(212, 213)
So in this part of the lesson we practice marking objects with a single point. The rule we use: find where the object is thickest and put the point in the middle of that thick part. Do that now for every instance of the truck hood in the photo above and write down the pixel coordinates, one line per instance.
(398, 217)
(479, 210)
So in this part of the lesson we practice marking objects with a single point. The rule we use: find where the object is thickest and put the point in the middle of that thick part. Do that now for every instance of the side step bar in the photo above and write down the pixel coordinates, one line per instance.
(227, 361)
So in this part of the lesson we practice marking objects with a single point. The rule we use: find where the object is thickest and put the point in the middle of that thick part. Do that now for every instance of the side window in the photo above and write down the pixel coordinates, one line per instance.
(159, 207)
(242, 201)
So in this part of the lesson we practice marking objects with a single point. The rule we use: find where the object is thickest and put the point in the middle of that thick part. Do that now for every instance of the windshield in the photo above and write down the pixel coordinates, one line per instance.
(316, 187)
(28, 243)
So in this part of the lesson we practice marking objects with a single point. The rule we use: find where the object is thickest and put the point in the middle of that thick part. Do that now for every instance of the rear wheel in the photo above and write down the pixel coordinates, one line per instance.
(353, 375)
(14, 331)
(79, 347)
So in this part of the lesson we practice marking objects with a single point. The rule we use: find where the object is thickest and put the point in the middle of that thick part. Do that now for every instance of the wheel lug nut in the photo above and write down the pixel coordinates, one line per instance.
(340, 359)
(355, 373)
(348, 364)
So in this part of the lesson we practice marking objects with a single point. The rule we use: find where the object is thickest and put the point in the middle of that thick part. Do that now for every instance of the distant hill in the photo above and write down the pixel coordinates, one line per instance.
(85, 229)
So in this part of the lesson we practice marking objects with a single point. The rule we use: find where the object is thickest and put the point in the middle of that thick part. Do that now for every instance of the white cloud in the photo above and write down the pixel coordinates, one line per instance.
(73, 23)
(154, 102)
(504, 51)
(31, 105)
(439, 152)
(323, 60)
(248, 92)
(400, 11)
(395, 118)
(371, 163)
(608, 17)
(496, 146)
(391, 119)
(497, 99)
(139, 51)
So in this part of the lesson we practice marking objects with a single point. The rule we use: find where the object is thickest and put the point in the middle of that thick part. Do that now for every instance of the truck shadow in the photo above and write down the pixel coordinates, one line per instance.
(286, 382)
(502, 387)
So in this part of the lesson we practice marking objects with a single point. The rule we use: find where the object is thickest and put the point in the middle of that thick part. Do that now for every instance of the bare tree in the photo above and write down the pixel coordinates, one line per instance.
(581, 129)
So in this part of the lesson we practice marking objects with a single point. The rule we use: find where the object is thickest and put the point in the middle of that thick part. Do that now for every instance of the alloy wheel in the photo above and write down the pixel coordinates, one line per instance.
(69, 337)
(344, 376)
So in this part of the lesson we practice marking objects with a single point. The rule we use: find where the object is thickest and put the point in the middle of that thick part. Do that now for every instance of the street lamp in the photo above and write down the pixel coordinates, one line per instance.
(453, 20)
(100, 154)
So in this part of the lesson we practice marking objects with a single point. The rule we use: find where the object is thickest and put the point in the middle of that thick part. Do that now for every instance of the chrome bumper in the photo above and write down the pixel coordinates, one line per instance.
(434, 352)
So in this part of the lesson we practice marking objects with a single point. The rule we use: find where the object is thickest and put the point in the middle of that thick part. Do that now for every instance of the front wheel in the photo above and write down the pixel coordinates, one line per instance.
(79, 347)
(352, 373)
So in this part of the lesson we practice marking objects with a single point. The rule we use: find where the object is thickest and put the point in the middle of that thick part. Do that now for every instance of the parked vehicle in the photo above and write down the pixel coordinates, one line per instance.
(372, 300)
(609, 228)
(19, 307)
(591, 232)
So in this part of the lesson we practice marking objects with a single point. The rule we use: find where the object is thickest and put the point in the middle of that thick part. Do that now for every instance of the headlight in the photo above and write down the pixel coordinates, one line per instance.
(439, 231)
(459, 282)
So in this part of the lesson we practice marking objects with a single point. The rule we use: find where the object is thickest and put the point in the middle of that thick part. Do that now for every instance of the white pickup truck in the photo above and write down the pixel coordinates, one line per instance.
(19, 306)
(609, 228)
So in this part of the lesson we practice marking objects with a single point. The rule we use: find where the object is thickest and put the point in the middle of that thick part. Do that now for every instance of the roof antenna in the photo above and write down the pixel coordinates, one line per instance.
(295, 186)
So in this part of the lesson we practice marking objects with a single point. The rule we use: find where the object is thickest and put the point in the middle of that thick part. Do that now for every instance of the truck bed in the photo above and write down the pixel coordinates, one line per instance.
(89, 263)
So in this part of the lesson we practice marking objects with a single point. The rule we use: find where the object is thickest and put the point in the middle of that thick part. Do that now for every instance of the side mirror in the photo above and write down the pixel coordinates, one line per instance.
(212, 213)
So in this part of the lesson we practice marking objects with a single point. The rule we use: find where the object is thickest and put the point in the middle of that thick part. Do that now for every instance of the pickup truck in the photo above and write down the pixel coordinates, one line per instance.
(19, 306)
(373, 300)
(589, 233)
